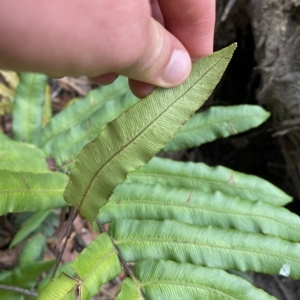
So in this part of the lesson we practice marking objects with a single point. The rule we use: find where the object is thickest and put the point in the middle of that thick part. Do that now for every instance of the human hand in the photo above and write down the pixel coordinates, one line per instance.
(104, 38)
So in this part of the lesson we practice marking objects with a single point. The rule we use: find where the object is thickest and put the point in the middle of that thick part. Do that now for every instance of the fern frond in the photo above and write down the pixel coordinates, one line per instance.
(21, 191)
(94, 266)
(217, 122)
(28, 107)
(66, 145)
(156, 202)
(199, 176)
(171, 281)
(18, 156)
(226, 249)
(81, 121)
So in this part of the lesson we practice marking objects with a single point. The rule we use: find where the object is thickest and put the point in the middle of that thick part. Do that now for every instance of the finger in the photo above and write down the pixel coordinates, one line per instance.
(54, 76)
(140, 89)
(192, 22)
(156, 12)
(163, 62)
(118, 37)
(104, 79)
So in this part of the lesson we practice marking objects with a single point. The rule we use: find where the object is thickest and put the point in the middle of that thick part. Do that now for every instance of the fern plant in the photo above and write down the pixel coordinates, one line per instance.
(182, 224)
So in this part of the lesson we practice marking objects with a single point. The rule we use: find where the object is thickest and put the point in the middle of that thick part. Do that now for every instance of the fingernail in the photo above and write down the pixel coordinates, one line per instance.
(178, 68)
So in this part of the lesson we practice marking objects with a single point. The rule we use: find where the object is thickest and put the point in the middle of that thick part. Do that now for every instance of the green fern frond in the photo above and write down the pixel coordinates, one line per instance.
(171, 281)
(199, 176)
(18, 156)
(79, 123)
(156, 202)
(94, 266)
(28, 107)
(226, 249)
(217, 122)
(21, 191)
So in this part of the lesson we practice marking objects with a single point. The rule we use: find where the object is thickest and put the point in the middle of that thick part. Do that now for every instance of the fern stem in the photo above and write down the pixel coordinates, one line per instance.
(18, 290)
(69, 222)
(3, 124)
(127, 269)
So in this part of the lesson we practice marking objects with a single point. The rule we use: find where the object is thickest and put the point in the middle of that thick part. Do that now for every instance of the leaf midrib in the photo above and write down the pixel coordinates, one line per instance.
(171, 241)
(183, 131)
(13, 158)
(31, 191)
(187, 284)
(29, 110)
(193, 207)
(185, 178)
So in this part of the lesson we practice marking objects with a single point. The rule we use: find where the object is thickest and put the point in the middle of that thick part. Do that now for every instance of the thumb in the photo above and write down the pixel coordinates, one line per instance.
(163, 62)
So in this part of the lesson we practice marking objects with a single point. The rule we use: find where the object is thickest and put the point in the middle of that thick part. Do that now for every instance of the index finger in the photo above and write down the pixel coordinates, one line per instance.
(192, 22)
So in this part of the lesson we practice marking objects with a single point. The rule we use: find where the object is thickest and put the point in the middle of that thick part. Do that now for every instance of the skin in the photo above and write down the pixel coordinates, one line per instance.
(102, 39)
